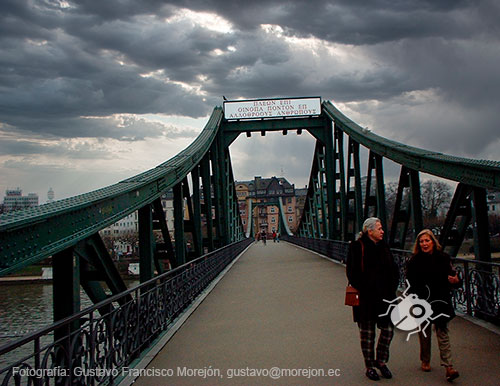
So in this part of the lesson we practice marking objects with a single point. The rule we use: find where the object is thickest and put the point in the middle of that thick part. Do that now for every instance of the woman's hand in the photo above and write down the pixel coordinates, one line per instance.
(453, 279)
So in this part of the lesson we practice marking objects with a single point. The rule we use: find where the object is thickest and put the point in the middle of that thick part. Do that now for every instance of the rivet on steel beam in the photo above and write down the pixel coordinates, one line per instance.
(249, 134)
(299, 131)
(263, 133)
(285, 132)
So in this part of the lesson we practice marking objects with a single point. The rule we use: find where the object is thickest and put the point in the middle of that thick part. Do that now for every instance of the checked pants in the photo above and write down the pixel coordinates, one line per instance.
(367, 335)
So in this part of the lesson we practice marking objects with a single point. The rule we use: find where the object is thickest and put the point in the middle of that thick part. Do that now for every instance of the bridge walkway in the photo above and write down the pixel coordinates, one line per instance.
(282, 306)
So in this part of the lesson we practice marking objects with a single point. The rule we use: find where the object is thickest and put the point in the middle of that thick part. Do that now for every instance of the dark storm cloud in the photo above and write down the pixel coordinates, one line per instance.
(54, 69)
(63, 62)
(81, 150)
(353, 22)
(123, 128)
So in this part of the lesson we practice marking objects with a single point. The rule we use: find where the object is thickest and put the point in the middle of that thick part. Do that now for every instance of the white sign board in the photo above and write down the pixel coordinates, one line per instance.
(272, 108)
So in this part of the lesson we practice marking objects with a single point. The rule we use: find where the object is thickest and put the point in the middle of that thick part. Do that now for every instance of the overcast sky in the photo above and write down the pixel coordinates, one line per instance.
(92, 92)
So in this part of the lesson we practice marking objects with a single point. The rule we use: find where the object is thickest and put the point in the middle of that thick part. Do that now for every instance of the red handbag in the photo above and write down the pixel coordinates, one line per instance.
(351, 296)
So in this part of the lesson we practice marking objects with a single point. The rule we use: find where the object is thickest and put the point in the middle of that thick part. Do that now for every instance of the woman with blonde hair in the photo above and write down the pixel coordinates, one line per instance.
(431, 277)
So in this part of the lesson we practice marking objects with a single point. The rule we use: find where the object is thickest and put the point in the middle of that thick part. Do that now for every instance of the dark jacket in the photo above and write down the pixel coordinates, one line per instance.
(428, 277)
(377, 280)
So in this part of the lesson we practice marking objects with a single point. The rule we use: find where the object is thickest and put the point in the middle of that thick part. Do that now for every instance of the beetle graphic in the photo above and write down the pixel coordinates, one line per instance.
(410, 313)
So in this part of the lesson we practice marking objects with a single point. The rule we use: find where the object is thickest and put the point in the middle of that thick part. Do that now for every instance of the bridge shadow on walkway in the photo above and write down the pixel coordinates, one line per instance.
(282, 306)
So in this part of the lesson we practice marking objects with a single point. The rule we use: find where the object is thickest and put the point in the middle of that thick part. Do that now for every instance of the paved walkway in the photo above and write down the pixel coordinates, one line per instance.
(281, 306)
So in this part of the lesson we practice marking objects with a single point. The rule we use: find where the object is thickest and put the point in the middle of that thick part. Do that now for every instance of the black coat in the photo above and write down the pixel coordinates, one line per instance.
(428, 277)
(377, 280)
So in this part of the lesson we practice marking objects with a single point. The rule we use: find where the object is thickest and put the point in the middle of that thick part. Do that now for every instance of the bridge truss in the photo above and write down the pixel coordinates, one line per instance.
(335, 207)
(206, 217)
(202, 181)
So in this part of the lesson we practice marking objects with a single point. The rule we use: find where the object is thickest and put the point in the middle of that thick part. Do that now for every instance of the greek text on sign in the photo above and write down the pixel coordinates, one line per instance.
(272, 108)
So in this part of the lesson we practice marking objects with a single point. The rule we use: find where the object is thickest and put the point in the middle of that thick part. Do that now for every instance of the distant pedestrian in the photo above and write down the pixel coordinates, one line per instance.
(431, 277)
(263, 236)
(274, 236)
(372, 271)
(278, 237)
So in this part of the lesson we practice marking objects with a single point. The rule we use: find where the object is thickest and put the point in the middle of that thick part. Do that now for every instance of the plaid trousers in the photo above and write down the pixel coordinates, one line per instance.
(367, 335)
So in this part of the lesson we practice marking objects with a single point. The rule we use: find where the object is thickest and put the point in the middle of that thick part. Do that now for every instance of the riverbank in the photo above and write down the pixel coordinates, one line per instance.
(43, 273)
(23, 279)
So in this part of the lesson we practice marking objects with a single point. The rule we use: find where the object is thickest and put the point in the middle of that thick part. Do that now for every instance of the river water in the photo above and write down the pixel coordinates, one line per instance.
(26, 308)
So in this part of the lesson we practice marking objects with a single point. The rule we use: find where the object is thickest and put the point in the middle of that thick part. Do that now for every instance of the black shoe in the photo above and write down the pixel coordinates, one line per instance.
(372, 374)
(386, 373)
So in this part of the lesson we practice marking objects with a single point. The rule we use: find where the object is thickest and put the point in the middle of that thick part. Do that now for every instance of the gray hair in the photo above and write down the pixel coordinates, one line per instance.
(369, 223)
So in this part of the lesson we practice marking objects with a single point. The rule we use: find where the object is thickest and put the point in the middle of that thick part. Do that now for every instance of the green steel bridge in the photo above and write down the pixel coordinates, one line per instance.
(124, 322)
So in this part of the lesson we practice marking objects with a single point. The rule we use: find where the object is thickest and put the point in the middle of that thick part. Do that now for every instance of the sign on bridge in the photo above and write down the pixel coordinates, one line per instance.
(272, 108)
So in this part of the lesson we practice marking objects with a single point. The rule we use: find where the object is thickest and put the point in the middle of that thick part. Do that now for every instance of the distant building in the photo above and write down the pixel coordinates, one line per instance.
(263, 190)
(14, 200)
(50, 195)
(300, 201)
(130, 224)
(125, 226)
(493, 202)
(167, 202)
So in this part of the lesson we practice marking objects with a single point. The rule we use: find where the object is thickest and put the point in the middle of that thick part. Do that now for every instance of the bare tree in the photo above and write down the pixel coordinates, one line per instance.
(391, 191)
(436, 197)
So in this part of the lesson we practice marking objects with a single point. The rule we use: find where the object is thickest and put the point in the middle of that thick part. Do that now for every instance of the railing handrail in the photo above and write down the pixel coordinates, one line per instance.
(478, 295)
(407, 251)
(30, 337)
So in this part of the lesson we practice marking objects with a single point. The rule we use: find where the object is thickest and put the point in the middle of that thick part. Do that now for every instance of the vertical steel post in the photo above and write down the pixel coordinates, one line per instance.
(461, 206)
(342, 205)
(381, 212)
(218, 203)
(66, 301)
(159, 215)
(180, 245)
(66, 283)
(311, 218)
(195, 174)
(316, 203)
(224, 198)
(401, 215)
(377, 201)
(196, 247)
(481, 230)
(320, 159)
(354, 196)
(370, 200)
(330, 179)
(416, 201)
(146, 243)
(233, 208)
(207, 198)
